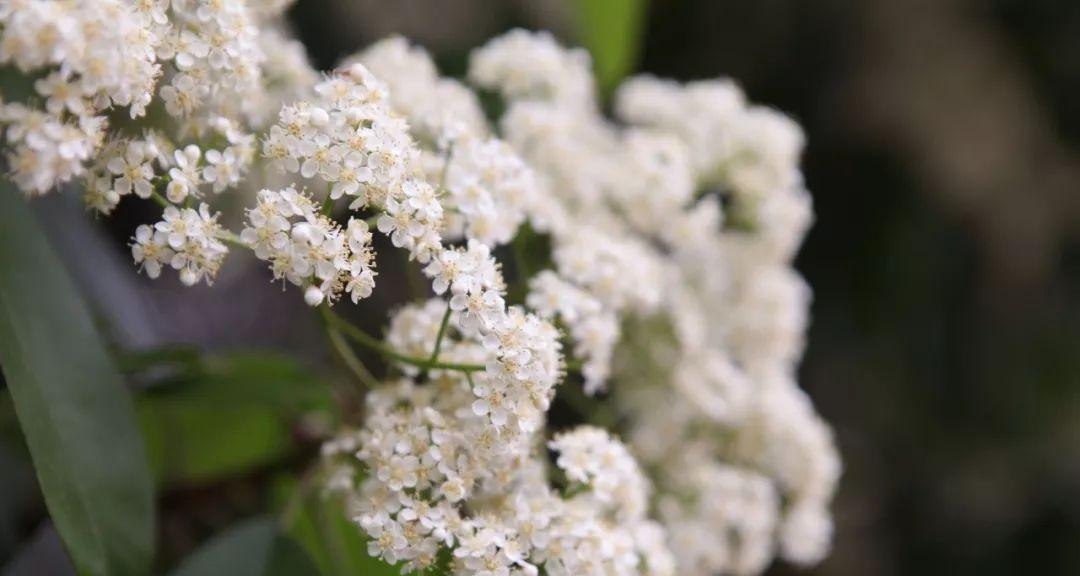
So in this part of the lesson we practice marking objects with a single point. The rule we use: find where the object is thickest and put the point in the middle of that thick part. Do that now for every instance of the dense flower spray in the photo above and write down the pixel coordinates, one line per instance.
(667, 293)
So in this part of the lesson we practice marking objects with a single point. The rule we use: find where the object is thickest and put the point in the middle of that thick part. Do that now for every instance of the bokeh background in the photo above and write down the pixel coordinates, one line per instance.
(944, 160)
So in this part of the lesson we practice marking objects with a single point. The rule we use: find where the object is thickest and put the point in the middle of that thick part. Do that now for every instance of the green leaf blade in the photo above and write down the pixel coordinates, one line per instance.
(319, 523)
(71, 403)
(253, 548)
(611, 30)
(228, 414)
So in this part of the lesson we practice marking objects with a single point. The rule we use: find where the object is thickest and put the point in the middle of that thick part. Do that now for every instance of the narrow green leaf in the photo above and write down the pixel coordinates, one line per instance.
(263, 378)
(72, 406)
(192, 442)
(611, 30)
(321, 525)
(253, 548)
(227, 414)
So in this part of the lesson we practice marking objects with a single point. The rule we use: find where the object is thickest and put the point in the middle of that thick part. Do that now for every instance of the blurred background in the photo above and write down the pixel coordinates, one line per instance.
(944, 160)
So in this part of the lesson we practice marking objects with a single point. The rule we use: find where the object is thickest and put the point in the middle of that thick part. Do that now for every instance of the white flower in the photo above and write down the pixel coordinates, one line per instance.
(531, 65)
(188, 49)
(133, 170)
(61, 94)
(308, 249)
(185, 176)
(183, 95)
(150, 253)
(185, 239)
(224, 169)
(313, 296)
(439, 109)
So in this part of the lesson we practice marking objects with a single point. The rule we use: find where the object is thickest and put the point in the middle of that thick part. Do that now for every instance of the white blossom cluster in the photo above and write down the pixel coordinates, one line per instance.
(668, 281)
(414, 329)
(152, 164)
(593, 327)
(518, 382)
(440, 110)
(216, 68)
(348, 137)
(92, 56)
(308, 249)
(98, 55)
(487, 190)
(186, 240)
(437, 475)
(751, 150)
(642, 230)
(523, 65)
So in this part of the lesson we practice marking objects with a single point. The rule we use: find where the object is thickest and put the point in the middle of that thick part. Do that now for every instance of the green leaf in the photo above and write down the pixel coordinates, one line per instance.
(320, 524)
(193, 442)
(72, 405)
(227, 414)
(611, 30)
(253, 548)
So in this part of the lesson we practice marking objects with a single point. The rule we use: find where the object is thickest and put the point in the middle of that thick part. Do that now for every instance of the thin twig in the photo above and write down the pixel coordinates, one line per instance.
(366, 378)
(157, 197)
(517, 245)
(230, 237)
(442, 332)
(364, 339)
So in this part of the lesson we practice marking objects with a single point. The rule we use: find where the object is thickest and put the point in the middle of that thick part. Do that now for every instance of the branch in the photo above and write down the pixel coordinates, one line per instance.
(364, 339)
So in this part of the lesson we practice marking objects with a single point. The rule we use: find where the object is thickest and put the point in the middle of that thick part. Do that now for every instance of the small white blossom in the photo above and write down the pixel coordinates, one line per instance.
(309, 250)
(186, 240)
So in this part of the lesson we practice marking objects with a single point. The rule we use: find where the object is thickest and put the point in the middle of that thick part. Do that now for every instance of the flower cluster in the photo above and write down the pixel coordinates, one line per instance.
(524, 65)
(593, 327)
(730, 522)
(308, 249)
(518, 382)
(751, 150)
(91, 55)
(591, 457)
(185, 239)
(414, 330)
(439, 476)
(349, 138)
(151, 164)
(111, 53)
(227, 59)
(641, 228)
(487, 190)
(669, 274)
(440, 110)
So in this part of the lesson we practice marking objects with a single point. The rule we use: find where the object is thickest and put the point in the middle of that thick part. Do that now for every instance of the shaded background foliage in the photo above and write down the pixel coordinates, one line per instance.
(944, 160)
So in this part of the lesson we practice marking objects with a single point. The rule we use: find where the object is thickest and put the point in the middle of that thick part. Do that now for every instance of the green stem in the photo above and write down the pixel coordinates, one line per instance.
(364, 339)
(328, 206)
(366, 379)
(517, 245)
(416, 290)
(442, 332)
(157, 197)
(230, 237)
(297, 498)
